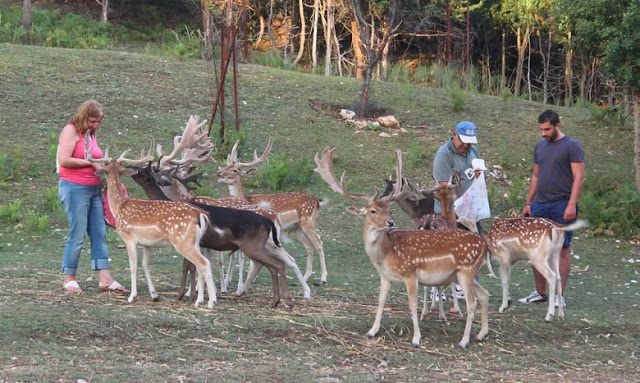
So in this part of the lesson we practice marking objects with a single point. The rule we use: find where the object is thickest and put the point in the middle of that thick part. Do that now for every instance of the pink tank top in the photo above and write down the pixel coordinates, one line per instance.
(86, 175)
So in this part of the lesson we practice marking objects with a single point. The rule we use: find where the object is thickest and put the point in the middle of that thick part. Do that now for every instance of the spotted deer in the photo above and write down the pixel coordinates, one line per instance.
(166, 179)
(297, 211)
(415, 257)
(537, 239)
(155, 224)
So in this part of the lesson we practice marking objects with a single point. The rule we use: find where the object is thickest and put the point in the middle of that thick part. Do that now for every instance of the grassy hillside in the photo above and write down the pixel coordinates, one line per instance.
(98, 337)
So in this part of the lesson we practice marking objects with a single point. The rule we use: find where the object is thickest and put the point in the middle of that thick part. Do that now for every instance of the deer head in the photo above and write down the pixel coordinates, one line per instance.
(377, 211)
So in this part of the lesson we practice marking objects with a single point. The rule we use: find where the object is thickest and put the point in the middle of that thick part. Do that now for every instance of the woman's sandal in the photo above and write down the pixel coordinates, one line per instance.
(114, 287)
(72, 287)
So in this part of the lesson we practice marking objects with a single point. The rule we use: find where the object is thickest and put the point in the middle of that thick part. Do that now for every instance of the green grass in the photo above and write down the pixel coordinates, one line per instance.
(48, 335)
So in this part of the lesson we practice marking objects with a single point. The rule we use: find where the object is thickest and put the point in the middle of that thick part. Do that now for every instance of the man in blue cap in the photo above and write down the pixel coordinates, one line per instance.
(457, 156)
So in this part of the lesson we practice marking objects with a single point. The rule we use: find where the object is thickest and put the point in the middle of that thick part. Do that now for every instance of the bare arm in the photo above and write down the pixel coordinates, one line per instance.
(532, 191)
(577, 169)
(66, 144)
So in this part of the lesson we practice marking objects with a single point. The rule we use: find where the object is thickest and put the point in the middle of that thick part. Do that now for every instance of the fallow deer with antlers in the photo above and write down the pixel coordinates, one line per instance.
(297, 211)
(155, 224)
(415, 257)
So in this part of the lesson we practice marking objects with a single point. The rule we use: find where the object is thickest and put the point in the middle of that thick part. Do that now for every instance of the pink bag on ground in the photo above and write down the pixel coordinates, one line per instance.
(109, 219)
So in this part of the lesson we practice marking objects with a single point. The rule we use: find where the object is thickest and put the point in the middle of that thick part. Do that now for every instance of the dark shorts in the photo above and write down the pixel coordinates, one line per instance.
(554, 211)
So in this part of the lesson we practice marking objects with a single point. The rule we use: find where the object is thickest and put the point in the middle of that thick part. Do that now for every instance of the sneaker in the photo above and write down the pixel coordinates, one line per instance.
(443, 296)
(534, 297)
(555, 301)
(459, 293)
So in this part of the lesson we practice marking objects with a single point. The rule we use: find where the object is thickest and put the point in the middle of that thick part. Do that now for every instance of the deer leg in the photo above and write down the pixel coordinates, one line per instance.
(146, 255)
(412, 292)
(133, 267)
(483, 299)
(385, 286)
(309, 229)
(308, 246)
(240, 271)
(505, 275)
(542, 265)
(466, 282)
(424, 312)
(186, 267)
(288, 260)
(224, 280)
(254, 268)
(454, 297)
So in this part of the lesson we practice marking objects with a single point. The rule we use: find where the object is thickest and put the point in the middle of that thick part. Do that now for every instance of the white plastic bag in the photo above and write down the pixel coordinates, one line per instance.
(474, 203)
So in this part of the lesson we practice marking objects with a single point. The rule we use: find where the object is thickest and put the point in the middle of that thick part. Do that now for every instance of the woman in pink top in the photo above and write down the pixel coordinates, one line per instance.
(79, 192)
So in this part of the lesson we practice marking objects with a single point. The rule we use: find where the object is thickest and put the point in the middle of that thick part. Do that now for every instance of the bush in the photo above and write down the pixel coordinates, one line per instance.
(282, 173)
(612, 208)
(10, 213)
(458, 97)
(35, 223)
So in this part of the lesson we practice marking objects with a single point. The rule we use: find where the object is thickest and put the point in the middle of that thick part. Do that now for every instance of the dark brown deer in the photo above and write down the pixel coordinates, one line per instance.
(415, 257)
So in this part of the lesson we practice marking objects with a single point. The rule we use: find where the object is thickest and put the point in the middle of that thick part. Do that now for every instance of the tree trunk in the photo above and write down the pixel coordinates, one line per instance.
(364, 95)
(522, 42)
(328, 38)
(583, 81)
(207, 27)
(260, 33)
(103, 12)
(314, 28)
(303, 33)
(568, 74)
(503, 63)
(636, 141)
(448, 54)
(356, 43)
(272, 38)
(26, 17)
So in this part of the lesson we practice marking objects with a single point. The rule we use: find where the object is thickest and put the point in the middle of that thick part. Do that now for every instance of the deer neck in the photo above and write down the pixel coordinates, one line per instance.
(114, 192)
(375, 241)
(237, 190)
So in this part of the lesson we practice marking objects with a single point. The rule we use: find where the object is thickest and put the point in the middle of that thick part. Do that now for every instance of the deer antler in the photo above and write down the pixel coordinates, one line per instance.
(144, 158)
(325, 169)
(398, 186)
(88, 149)
(232, 158)
(194, 144)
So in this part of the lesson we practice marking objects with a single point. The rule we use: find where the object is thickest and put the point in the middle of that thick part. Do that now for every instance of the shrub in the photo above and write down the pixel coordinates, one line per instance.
(458, 97)
(35, 223)
(51, 201)
(282, 172)
(612, 208)
(10, 213)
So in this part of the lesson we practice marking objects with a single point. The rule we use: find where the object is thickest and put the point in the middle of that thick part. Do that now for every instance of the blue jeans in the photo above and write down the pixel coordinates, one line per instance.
(554, 211)
(85, 213)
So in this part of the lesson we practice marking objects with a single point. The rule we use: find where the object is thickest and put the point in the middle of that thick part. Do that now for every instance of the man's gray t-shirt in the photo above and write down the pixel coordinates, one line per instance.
(447, 159)
(554, 159)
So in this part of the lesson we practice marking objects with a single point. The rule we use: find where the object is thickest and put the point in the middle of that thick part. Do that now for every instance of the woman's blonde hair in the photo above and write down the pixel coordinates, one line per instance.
(88, 109)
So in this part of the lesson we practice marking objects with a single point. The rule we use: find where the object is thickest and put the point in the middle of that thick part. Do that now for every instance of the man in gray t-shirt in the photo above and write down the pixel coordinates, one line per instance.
(556, 184)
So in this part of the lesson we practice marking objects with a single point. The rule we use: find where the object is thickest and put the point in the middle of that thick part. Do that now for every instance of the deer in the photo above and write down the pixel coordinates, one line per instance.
(418, 204)
(297, 211)
(415, 257)
(164, 182)
(155, 224)
(537, 239)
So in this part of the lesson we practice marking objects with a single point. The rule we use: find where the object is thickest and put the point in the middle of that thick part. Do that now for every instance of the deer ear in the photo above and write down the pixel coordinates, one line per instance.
(249, 172)
(356, 210)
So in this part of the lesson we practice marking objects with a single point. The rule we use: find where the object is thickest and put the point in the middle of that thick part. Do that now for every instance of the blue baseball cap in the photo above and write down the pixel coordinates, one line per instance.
(467, 132)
